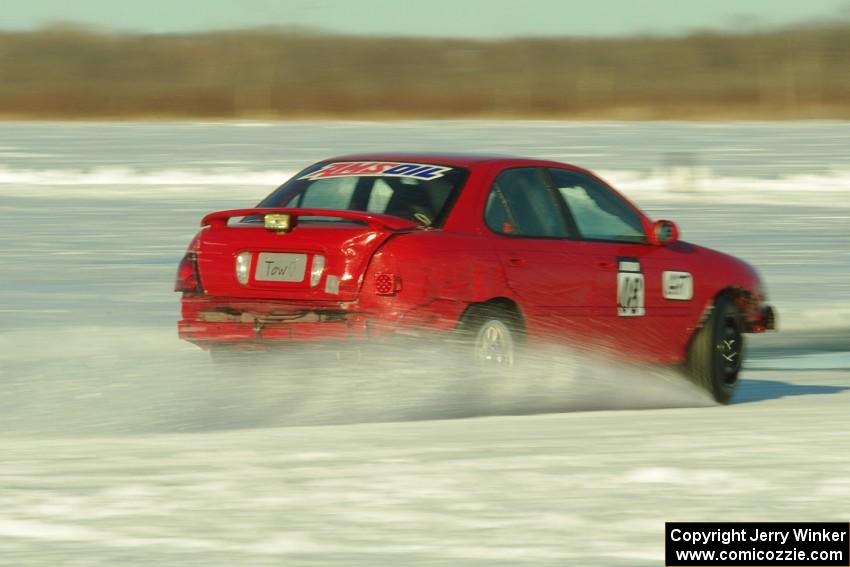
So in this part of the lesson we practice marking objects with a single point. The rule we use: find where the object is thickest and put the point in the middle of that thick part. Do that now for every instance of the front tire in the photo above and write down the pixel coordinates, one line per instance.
(717, 351)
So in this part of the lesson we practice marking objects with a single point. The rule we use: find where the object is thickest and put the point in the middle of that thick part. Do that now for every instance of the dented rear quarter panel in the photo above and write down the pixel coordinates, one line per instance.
(441, 274)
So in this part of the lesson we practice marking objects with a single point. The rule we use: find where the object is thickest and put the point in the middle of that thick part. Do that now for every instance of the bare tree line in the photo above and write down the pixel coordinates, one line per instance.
(63, 72)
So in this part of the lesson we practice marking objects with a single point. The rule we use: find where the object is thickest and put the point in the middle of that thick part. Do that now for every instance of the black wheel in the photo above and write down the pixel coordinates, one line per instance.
(717, 351)
(494, 335)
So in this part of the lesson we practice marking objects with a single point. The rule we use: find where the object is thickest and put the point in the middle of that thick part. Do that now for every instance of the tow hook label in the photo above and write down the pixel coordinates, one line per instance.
(678, 286)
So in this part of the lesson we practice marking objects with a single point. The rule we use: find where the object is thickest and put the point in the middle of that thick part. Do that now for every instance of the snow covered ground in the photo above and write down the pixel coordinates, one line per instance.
(122, 445)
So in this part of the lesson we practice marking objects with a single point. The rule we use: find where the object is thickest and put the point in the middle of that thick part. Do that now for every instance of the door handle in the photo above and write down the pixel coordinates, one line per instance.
(517, 262)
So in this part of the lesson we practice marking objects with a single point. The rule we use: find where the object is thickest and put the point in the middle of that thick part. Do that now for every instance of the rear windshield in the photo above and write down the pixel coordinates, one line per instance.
(420, 192)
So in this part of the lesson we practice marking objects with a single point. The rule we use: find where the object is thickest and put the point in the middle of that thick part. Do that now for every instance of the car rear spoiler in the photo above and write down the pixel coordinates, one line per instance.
(373, 220)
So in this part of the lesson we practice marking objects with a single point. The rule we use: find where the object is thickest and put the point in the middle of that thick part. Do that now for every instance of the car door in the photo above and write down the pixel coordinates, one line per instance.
(544, 264)
(642, 291)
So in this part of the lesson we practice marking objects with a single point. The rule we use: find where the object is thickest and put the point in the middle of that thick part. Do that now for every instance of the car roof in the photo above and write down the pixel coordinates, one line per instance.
(442, 158)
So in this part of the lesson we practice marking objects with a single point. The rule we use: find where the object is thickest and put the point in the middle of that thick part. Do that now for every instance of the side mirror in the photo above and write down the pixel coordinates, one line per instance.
(664, 232)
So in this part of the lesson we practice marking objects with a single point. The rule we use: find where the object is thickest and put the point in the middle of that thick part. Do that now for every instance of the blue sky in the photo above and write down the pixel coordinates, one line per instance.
(460, 18)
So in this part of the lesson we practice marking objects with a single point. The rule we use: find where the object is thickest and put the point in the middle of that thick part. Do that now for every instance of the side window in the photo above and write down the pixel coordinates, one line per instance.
(520, 203)
(599, 214)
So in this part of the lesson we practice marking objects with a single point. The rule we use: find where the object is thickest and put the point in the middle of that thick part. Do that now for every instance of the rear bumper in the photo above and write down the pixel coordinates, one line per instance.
(207, 334)
(258, 324)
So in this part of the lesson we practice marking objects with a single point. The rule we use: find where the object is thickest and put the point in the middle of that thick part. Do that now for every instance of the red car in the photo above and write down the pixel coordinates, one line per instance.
(498, 251)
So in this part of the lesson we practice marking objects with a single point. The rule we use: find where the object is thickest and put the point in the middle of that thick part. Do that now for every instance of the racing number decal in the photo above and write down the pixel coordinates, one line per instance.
(630, 294)
(630, 289)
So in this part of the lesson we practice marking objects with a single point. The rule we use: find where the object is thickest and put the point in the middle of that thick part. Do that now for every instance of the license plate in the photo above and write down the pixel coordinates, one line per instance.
(280, 267)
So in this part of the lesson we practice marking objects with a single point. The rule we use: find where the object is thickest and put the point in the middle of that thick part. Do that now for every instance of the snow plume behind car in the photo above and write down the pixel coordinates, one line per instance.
(118, 380)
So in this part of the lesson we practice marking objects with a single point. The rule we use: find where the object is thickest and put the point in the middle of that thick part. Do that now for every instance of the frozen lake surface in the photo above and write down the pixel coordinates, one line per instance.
(122, 445)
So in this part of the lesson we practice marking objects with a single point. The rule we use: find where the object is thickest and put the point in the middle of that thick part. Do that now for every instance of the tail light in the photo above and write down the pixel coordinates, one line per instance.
(243, 267)
(387, 284)
(316, 269)
(188, 278)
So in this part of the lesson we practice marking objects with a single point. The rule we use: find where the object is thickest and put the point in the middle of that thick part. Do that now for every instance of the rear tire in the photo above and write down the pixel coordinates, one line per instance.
(493, 335)
(717, 351)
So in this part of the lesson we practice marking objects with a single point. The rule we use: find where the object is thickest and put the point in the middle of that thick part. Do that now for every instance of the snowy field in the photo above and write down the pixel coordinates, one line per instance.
(123, 446)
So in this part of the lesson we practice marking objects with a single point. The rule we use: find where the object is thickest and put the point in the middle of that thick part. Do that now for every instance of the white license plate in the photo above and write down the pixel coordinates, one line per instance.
(280, 267)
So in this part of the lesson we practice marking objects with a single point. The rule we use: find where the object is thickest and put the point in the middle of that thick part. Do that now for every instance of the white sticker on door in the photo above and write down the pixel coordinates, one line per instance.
(630, 293)
(678, 286)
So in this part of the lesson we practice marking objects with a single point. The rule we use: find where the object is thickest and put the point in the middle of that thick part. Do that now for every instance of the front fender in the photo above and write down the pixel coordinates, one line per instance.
(720, 274)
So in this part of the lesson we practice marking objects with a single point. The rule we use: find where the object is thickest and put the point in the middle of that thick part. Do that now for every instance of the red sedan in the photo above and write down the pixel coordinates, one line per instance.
(500, 252)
